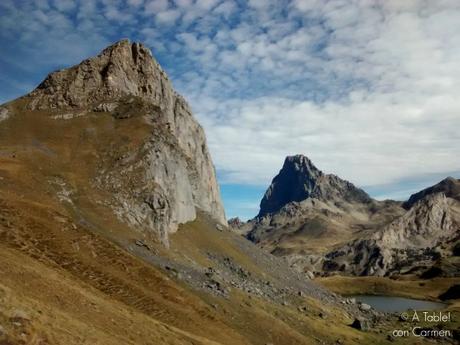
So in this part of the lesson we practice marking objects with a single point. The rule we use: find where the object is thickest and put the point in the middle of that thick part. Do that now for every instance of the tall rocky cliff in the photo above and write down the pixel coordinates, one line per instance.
(171, 174)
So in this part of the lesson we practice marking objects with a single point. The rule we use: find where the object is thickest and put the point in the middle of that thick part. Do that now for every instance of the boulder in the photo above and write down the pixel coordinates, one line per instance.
(361, 324)
(452, 293)
(4, 114)
(364, 307)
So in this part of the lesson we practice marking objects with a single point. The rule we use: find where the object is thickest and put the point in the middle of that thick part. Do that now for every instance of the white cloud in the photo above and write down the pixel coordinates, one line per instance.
(206, 4)
(115, 14)
(259, 3)
(226, 9)
(368, 141)
(64, 5)
(42, 4)
(183, 3)
(135, 3)
(168, 17)
(155, 6)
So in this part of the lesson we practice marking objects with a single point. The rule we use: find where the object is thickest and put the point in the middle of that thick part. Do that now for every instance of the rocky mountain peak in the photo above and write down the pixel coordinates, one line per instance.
(168, 175)
(295, 182)
(122, 69)
(300, 179)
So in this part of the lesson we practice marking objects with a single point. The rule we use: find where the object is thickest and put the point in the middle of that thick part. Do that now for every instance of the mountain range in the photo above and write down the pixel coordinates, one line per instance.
(325, 225)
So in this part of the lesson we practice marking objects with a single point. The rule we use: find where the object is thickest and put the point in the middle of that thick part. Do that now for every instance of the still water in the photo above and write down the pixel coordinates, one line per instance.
(391, 304)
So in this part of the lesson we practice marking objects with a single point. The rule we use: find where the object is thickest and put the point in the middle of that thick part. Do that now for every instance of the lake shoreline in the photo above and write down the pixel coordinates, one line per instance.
(395, 304)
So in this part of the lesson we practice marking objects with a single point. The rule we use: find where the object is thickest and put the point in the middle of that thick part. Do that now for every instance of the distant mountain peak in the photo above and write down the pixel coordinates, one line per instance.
(122, 69)
(294, 182)
(300, 179)
(450, 186)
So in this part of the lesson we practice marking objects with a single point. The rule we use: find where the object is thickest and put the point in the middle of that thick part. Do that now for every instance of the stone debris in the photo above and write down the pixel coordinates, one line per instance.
(361, 324)
(4, 114)
(106, 107)
(364, 307)
(68, 116)
(141, 243)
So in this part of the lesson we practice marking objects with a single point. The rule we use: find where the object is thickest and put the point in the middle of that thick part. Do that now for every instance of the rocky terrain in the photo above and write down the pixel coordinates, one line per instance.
(324, 225)
(112, 230)
(411, 243)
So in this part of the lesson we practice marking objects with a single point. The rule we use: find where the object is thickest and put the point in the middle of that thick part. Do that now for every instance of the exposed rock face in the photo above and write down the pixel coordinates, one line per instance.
(428, 223)
(415, 239)
(4, 114)
(299, 179)
(235, 222)
(361, 324)
(172, 173)
(238, 226)
(119, 70)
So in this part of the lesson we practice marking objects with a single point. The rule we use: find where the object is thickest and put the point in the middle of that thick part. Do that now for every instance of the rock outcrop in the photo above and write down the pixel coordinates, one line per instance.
(171, 174)
(4, 114)
(415, 240)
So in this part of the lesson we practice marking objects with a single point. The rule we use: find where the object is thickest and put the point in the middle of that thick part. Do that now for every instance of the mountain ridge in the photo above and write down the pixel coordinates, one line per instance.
(327, 225)
(449, 186)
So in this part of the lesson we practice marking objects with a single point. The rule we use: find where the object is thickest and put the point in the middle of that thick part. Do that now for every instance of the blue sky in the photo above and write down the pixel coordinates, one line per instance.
(369, 90)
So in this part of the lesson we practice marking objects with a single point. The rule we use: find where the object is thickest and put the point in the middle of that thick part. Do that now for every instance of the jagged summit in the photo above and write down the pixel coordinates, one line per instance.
(122, 69)
(303, 162)
(299, 179)
(295, 182)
